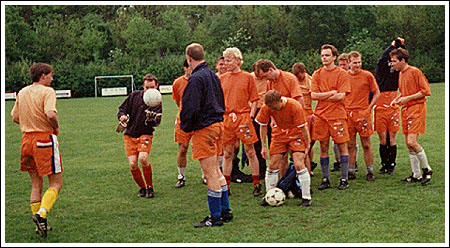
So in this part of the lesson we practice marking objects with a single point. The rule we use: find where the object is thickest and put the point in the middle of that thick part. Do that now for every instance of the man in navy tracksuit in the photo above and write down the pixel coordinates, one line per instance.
(202, 113)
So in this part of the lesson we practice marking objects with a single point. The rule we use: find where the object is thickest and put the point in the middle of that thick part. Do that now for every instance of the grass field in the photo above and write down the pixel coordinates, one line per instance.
(98, 202)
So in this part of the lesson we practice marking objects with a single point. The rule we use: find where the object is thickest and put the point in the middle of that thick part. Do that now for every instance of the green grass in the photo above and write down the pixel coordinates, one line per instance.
(98, 202)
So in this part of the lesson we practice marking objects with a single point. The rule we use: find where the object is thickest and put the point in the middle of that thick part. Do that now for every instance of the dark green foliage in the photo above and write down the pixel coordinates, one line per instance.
(82, 42)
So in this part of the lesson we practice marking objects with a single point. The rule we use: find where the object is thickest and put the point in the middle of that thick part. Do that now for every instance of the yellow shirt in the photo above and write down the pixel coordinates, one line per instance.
(32, 103)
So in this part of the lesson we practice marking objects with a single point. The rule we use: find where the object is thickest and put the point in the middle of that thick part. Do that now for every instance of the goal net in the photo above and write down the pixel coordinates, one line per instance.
(120, 81)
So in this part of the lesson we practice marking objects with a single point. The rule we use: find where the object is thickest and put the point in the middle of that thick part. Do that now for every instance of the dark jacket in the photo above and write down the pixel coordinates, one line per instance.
(135, 107)
(203, 102)
(387, 77)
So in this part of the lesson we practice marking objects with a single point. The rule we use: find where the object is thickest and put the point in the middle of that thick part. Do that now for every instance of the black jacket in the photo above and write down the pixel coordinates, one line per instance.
(387, 77)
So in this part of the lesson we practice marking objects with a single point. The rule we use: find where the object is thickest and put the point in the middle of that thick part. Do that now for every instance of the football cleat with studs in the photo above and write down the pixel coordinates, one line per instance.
(426, 176)
(412, 179)
(343, 185)
(209, 221)
(257, 189)
(142, 192)
(181, 181)
(305, 203)
(325, 184)
(149, 192)
(227, 216)
(41, 225)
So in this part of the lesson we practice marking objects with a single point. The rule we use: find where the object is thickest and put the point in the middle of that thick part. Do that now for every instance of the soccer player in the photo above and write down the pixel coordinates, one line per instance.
(140, 121)
(202, 113)
(386, 117)
(290, 135)
(220, 66)
(359, 109)
(239, 89)
(35, 112)
(329, 86)
(287, 84)
(299, 70)
(181, 138)
(413, 87)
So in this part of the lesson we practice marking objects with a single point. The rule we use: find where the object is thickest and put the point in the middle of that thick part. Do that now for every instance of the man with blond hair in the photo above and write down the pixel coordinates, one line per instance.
(239, 90)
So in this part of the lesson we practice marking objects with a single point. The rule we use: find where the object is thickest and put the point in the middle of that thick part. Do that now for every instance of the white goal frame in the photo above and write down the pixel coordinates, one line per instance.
(114, 76)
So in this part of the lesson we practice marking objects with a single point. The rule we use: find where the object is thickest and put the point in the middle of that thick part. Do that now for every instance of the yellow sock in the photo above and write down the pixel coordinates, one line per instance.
(35, 206)
(48, 200)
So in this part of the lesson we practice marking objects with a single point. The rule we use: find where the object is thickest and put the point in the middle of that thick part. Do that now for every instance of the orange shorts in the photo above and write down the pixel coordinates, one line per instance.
(207, 142)
(238, 126)
(359, 122)
(40, 153)
(413, 119)
(336, 129)
(181, 137)
(284, 140)
(386, 119)
(133, 146)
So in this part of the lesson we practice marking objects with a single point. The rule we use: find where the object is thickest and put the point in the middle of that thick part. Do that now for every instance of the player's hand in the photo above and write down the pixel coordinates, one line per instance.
(124, 118)
(121, 127)
(56, 131)
(264, 151)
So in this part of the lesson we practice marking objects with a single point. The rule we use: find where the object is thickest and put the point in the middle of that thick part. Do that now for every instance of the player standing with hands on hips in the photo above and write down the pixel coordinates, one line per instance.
(202, 113)
(140, 121)
(35, 112)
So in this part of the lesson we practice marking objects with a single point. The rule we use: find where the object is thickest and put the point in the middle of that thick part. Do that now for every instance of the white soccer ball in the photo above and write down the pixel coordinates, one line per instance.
(152, 97)
(275, 197)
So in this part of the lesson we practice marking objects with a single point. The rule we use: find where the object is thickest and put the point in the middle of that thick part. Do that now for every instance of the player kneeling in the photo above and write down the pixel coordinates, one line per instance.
(289, 133)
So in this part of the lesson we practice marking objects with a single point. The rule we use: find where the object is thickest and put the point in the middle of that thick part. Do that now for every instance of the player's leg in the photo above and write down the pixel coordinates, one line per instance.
(253, 164)
(391, 153)
(272, 172)
(417, 151)
(148, 174)
(383, 150)
(303, 177)
(324, 164)
(137, 175)
(181, 164)
(368, 156)
(337, 158)
(227, 165)
(37, 183)
(352, 157)
(343, 149)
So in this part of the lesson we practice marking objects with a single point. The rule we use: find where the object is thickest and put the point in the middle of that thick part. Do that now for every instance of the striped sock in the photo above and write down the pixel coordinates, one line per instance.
(48, 200)
(324, 165)
(214, 203)
(344, 166)
(225, 203)
(35, 206)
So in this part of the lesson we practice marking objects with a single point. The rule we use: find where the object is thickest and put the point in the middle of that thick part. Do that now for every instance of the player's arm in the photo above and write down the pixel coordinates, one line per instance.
(403, 100)
(300, 100)
(322, 95)
(253, 106)
(337, 97)
(263, 136)
(376, 96)
(52, 117)
(306, 136)
(14, 113)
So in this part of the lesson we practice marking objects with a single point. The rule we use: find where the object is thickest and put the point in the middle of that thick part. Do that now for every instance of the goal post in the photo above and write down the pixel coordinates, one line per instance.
(114, 76)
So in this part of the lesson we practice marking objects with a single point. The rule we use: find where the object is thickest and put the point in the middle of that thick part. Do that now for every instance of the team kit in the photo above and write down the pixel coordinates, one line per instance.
(268, 111)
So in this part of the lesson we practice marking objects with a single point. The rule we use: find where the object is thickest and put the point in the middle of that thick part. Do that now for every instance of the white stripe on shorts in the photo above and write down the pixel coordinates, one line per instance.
(56, 154)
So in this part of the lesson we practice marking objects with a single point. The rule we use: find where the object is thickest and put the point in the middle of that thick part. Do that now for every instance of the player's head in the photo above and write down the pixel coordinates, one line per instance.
(187, 69)
(266, 69)
(299, 70)
(328, 54)
(195, 52)
(233, 58)
(355, 61)
(220, 65)
(343, 61)
(42, 71)
(273, 100)
(150, 82)
(399, 58)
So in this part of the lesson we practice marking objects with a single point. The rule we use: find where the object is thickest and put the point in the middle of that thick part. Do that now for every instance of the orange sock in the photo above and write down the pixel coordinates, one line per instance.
(256, 179)
(137, 176)
(148, 174)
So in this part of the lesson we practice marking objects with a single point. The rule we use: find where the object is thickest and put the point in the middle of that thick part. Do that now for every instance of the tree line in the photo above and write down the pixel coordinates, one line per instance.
(84, 41)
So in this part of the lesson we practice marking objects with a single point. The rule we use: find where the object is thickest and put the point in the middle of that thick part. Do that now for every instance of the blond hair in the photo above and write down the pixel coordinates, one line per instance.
(235, 52)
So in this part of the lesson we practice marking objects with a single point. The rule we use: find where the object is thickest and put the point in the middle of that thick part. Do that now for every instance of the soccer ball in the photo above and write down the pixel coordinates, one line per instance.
(152, 97)
(275, 197)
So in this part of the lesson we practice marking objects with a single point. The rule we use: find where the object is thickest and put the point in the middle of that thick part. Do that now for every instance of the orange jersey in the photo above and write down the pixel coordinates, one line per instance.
(410, 82)
(287, 84)
(290, 116)
(178, 86)
(324, 80)
(305, 88)
(261, 86)
(32, 103)
(386, 97)
(238, 90)
(361, 84)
